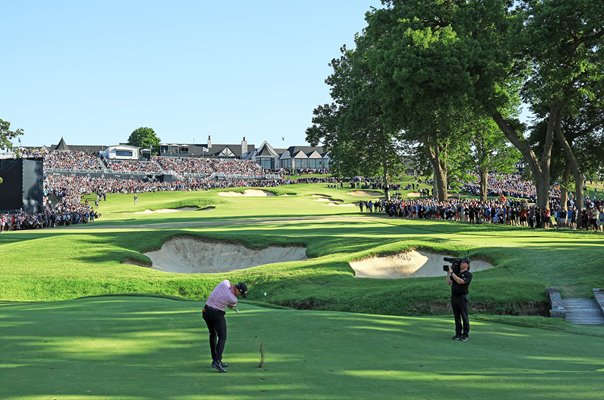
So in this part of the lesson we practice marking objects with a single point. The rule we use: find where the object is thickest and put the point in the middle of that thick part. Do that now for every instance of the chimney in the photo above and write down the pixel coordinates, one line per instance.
(243, 147)
(209, 142)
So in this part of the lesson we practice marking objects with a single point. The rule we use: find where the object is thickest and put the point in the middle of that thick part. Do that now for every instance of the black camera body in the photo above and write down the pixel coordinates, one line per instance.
(455, 265)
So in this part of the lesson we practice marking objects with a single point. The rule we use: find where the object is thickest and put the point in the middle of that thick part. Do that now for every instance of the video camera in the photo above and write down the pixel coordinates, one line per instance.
(455, 264)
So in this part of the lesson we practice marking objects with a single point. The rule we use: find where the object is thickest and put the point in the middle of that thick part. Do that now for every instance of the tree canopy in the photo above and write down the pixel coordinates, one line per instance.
(432, 72)
(145, 138)
(7, 135)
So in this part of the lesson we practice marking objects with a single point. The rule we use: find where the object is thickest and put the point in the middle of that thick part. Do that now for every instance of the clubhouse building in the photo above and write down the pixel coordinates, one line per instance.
(293, 158)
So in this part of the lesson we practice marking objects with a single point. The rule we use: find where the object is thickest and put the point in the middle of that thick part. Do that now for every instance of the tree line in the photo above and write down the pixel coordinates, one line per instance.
(444, 83)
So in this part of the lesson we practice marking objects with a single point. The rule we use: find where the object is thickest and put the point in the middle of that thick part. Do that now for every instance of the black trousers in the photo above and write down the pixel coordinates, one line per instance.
(217, 329)
(459, 304)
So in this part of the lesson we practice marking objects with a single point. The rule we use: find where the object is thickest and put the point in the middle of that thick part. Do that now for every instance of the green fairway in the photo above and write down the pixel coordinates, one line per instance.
(350, 338)
(151, 348)
(69, 262)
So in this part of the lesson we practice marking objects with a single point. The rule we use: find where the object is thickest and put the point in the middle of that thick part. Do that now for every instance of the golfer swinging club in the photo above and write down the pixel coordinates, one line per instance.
(224, 295)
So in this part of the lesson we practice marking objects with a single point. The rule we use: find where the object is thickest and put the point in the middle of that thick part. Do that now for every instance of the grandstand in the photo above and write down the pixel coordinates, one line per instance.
(73, 171)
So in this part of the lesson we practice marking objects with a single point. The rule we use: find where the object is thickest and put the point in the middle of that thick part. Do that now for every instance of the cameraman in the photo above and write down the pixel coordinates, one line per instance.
(459, 283)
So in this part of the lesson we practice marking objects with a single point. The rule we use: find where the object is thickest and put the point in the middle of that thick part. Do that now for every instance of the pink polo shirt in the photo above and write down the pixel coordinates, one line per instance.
(222, 296)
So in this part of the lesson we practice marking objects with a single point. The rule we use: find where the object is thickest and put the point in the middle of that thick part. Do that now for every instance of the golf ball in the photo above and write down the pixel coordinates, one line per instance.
(265, 293)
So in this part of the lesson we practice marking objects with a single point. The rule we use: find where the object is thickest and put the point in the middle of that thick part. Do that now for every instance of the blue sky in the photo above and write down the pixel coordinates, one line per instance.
(93, 71)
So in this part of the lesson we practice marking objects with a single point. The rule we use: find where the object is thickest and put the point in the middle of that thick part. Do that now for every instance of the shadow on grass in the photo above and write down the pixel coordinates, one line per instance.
(122, 348)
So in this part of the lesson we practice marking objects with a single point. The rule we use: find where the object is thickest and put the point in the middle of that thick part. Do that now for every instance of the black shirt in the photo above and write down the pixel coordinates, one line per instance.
(456, 288)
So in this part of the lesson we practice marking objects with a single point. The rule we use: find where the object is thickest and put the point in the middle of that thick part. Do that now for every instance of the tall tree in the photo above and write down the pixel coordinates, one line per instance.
(581, 138)
(479, 52)
(6, 135)
(415, 55)
(145, 138)
(352, 127)
(565, 43)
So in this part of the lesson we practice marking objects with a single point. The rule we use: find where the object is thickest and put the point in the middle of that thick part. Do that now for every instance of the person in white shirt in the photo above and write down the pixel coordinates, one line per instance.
(224, 295)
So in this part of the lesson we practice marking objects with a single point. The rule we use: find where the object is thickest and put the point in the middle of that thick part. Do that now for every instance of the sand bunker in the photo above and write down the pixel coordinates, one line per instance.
(412, 264)
(331, 201)
(191, 256)
(248, 192)
(365, 193)
(166, 210)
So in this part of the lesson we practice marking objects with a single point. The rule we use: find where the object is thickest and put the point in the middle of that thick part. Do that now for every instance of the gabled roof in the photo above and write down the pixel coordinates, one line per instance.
(307, 150)
(300, 154)
(266, 150)
(62, 145)
(218, 150)
(226, 152)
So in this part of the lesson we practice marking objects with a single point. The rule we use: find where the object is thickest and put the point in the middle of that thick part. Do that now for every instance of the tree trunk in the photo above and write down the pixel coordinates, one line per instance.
(564, 187)
(539, 167)
(484, 176)
(574, 165)
(440, 172)
(385, 171)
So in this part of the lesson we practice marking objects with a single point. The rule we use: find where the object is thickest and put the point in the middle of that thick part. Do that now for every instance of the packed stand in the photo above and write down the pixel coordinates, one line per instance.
(179, 165)
(134, 166)
(236, 167)
(510, 185)
(72, 161)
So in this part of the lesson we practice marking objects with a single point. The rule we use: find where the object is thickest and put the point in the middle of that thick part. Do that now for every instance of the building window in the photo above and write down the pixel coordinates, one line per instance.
(266, 162)
(314, 163)
(123, 153)
(301, 163)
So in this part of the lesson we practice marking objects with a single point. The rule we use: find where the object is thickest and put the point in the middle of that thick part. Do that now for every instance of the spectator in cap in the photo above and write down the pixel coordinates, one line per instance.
(224, 295)
(459, 283)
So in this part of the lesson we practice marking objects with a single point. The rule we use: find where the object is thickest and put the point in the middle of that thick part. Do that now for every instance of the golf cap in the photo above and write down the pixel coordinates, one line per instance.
(465, 260)
(242, 287)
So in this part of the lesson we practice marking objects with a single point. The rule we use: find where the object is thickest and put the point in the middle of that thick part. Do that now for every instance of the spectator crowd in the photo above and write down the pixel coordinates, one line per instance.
(63, 192)
(519, 210)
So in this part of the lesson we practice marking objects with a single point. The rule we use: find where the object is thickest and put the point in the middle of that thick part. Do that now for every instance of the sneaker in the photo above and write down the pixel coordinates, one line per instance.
(218, 366)
(456, 337)
(463, 338)
(224, 365)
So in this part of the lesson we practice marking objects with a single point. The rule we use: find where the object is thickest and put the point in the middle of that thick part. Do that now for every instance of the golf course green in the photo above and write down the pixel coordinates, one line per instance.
(84, 315)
